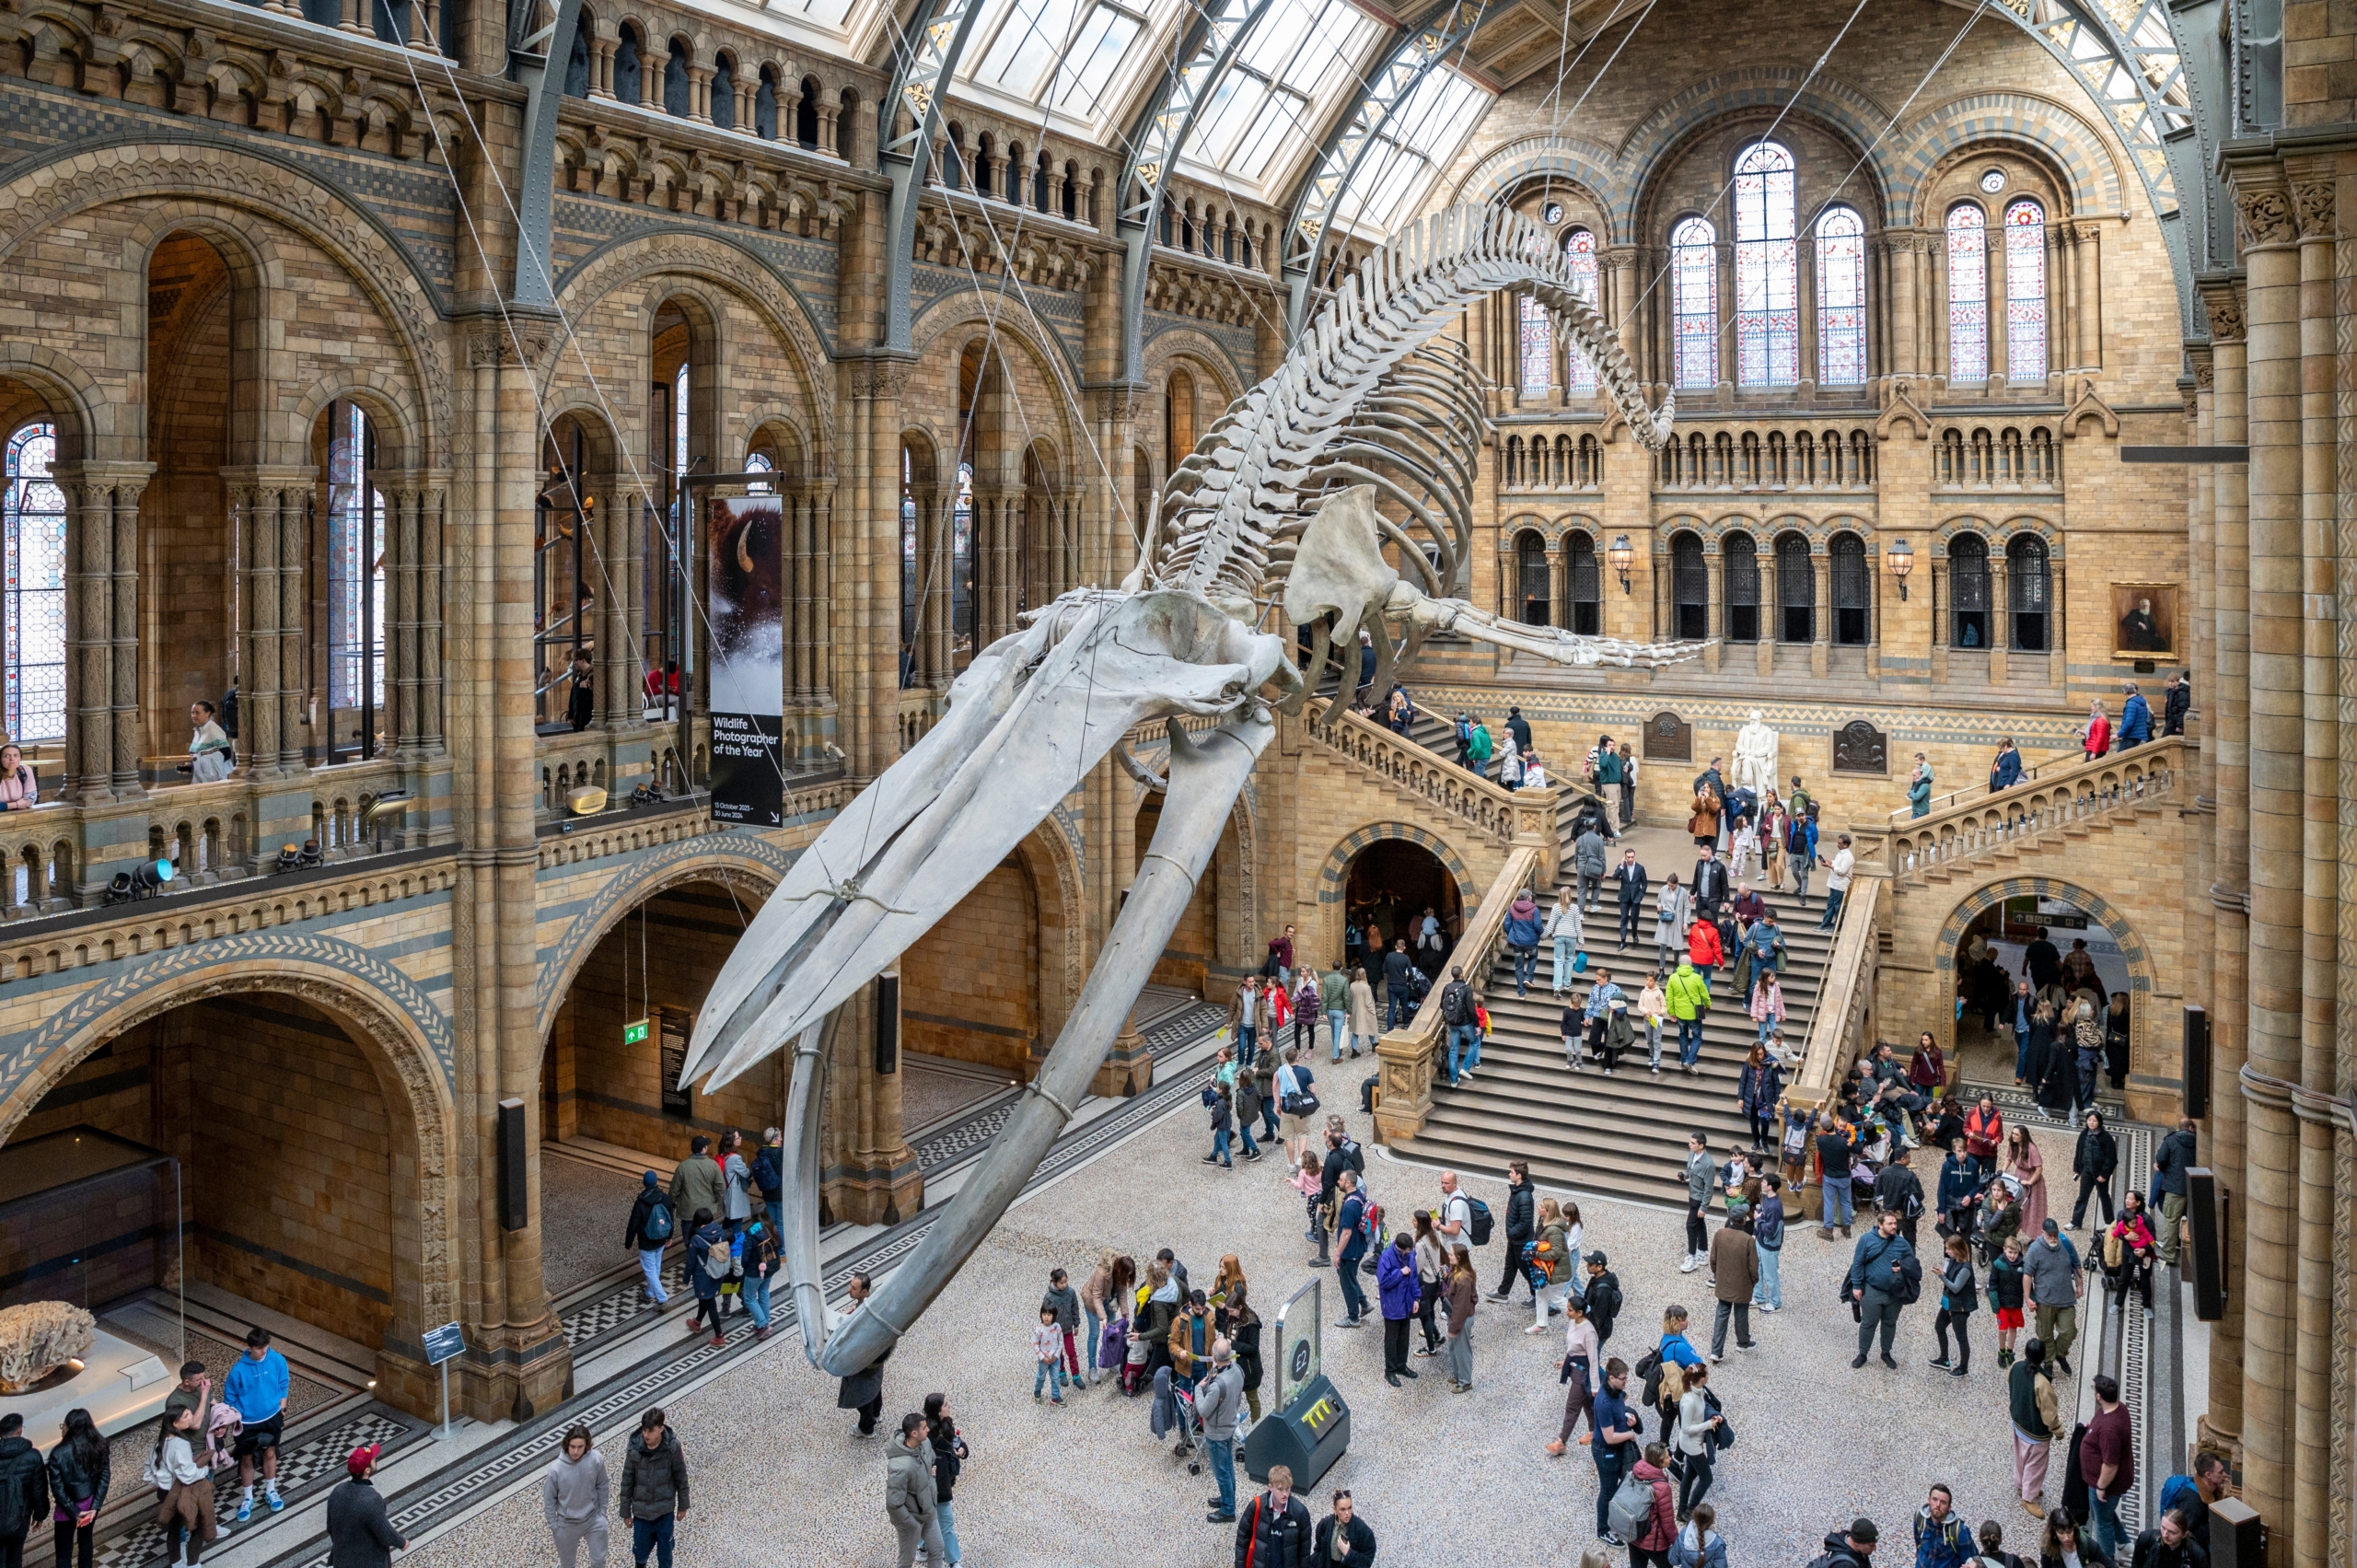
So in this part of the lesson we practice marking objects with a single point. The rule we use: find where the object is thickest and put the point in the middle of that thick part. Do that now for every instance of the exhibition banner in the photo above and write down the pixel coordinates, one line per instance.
(747, 536)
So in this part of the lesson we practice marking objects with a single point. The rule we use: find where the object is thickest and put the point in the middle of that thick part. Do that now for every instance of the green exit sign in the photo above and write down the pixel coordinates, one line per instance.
(634, 1034)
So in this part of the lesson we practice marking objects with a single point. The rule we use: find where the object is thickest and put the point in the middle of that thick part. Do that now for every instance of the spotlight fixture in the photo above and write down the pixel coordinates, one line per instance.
(142, 881)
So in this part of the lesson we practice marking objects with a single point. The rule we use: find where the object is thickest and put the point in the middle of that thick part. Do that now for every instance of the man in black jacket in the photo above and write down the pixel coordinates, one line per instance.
(2093, 1162)
(1629, 881)
(1853, 1548)
(2175, 1156)
(359, 1533)
(1710, 887)
(1602, 1294)
(1522, 1225)
(654, 1489)
(2179, 703)
(1399, 990)
(949, 1456)
(24, 1488)
(2168, 1545)
(581, 710)
(1900, 1191)
(1273, 1531)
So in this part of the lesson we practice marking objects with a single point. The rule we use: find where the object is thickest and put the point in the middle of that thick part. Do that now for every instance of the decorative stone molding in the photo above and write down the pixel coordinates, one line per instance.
(2313, 203)
(2224, 303)
(2263, 216)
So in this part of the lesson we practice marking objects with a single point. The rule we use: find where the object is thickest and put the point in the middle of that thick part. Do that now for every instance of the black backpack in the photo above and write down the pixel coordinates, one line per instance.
(767, 1176)
(1482, 1221)
(1908, 1275)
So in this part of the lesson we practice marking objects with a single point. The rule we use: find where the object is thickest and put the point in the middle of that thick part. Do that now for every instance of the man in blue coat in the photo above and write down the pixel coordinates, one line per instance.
(2135, 721)
(1394, 1282)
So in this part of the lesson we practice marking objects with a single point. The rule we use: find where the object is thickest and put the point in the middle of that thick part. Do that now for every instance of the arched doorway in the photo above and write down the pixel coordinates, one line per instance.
(2067, 941)
(1392, 886)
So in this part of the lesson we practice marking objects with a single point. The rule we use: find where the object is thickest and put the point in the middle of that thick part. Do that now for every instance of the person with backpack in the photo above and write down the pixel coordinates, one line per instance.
(1274, 1532)
(1549, 1265)
(1464, 1029)
(697, 1181)
(710, 1262)
(1657, 1527)
(1768, 1235)
(759, 1257)
(1522, 1227)
(1885, 1277)
(1602, 1295)
(2031, 1401)
(649, 1231)
(1941, 1539)
(1612, 1444)
(2189, 1496)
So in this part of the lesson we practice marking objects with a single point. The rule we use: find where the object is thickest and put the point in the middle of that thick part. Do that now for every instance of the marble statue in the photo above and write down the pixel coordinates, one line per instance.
(1755, 756)
(1366, 436)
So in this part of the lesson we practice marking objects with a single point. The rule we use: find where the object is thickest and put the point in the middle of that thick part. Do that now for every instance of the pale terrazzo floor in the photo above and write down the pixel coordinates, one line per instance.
(1442, 1478)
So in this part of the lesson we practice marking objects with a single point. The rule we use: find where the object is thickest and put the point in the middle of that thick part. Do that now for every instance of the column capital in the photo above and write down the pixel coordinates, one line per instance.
(271, 476)
(2312, 204)
(2262, 198)
(2222, 299)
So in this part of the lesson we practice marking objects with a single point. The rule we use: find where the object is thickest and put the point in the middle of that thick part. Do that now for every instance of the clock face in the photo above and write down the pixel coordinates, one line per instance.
(1554, 212)
(1994, 181)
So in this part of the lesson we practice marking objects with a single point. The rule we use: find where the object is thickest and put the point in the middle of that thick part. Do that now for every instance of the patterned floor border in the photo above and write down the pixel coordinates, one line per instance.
(440, 1498)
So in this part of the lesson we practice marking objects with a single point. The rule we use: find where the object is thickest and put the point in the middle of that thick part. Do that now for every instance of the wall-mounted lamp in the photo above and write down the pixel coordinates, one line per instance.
(1622, 555)
(1900, 559)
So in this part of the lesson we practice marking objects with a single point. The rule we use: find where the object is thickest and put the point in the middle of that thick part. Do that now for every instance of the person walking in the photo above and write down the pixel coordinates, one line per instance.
(1522, 1227)
(2107, 1459)
(1700, 1173)
(1588, 867)
(1274, 1532)
(737, 1182)
(360, 1534)
(1553, 1252)
(1364, 1026)
(24, 1488)
(654, 1489)
(1397, 1291)
(697, 1181)
(710, 1262)
(1884, 1276)
(1688, 999)
(1334, 998)
(1612, 1442)
(1580, 1374)
(1696, 1439)
(1461, 1292)
(652, 1222)
(2175, 1156)
(184, 1486)
(79, 1471)
(1343, 1539)
(1628, 883)
(1833, 1156)
(949, 1456)
(2029, 1389)
(1958, 1299)
(1941, 1539)
(1673, 915)
(1697, 1545)
(1735, 1278)
(2050, 1268)
(1458, 1014)
(2135, 719)
(1219, 1404)
(862, 1390)
(1759, 1089)
(1350, 1248)
(2095, 1160)
(1566, 930)
(1837, 882)
(257, 1388)
(910, 1500)
(575, 1494)
(1522, 928)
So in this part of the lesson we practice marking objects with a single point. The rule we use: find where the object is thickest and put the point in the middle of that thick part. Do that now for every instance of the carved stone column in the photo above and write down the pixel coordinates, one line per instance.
(2086, 317)
(2270, 253)
(89, 635)
(292, 580)
(129, 740)
(1906, 257)
(261, 501)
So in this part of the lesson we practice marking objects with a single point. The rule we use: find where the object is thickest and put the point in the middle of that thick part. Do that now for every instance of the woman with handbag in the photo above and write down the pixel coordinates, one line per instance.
(183, 1487)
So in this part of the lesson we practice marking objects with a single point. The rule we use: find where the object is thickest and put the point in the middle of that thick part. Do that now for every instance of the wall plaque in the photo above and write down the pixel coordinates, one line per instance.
(1860, 748)
(1669, 738)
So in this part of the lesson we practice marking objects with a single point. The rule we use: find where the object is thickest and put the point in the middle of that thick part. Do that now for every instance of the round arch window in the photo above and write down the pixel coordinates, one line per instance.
(1554, 212)
(1994, 181)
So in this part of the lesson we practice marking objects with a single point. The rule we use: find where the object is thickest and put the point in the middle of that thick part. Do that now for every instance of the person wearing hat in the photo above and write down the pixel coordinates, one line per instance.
(1601, 1296)
(359, 1533)
(1853, 1548)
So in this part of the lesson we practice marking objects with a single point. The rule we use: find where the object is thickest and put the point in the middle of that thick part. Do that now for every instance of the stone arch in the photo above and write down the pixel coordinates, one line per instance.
(1202, 353)
(1846, 112)
(64, 396)
(2143, 974)
(405, 1036)
(1334, 875)
(209, 178)
(1013, 334)
(684, 255)
(391, 411)
(738, 860)
(2028, 123)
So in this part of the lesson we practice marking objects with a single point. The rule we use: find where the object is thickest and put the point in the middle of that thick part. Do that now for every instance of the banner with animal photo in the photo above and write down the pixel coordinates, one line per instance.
(747, 536)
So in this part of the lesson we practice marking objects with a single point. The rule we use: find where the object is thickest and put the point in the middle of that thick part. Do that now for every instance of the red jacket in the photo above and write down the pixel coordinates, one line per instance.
(1980, 1139)
(1702, 944)
(1661, 1529)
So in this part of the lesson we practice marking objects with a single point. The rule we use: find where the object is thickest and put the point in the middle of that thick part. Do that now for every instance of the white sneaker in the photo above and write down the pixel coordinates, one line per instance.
(1689, 1265)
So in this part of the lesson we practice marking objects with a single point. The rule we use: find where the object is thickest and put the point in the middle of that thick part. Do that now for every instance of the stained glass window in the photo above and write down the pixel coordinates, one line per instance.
(33, 512)
(2025, 292)
(1767, 269)
(1968, 295)
(1579, 258)
(1538, 347)
(1841, 299)
(1694, 302)
(355, 565)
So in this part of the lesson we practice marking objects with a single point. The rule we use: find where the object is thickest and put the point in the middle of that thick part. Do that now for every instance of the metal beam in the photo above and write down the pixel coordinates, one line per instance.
(936, 42)
(1156, 139)
(529, 53)
(1413, 53)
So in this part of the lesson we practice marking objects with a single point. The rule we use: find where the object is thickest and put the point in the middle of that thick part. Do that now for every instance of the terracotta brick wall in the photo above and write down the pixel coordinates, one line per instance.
(968, 989)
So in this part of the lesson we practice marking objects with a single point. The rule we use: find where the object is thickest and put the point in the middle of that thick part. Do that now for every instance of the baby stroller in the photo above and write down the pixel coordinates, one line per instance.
(1174, 1410)
(1993, 1222)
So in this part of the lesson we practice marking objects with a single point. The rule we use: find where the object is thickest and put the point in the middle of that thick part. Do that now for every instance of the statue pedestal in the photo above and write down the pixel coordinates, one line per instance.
(1128, 1066)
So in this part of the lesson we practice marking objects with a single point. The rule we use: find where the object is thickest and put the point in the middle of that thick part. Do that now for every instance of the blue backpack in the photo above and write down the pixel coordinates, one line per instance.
(658, 1228)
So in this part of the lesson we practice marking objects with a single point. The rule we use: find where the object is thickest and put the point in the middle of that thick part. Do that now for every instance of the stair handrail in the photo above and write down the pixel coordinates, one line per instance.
(1487, 807)
(2045, 766)
(1985, 820)
(1845, 997)
(1408, 1058)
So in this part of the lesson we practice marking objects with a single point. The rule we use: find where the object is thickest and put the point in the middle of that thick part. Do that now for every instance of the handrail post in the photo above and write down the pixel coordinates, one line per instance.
(1408, 1058)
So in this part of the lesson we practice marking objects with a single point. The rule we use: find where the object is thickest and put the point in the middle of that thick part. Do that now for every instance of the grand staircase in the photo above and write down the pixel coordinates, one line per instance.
(1968, 835)
(1623, 1134)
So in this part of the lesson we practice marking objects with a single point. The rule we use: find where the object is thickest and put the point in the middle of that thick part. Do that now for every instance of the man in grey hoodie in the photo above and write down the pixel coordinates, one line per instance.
(573, 1498)
(2050, 1267)
(1220, 1404)
(910, 1500)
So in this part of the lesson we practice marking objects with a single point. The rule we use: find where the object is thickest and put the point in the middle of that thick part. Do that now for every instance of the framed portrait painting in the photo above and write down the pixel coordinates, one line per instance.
(2143, 620)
